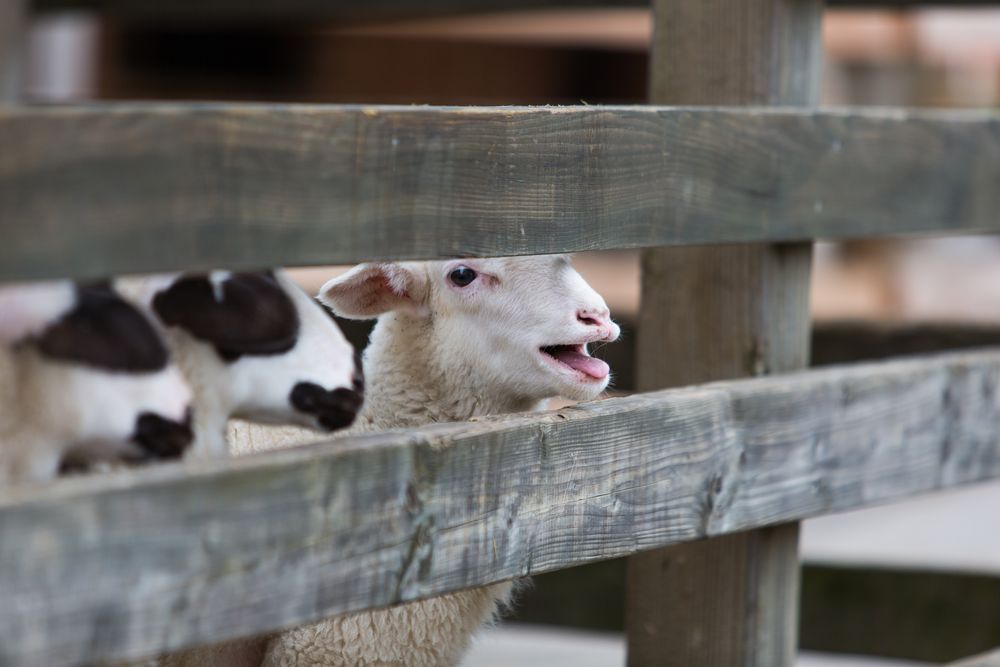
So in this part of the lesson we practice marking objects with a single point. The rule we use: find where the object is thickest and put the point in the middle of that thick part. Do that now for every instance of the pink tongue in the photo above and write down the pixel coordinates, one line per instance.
(595, 368)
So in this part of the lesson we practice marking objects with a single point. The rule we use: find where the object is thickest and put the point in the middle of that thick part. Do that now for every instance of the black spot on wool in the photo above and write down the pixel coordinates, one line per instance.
(251, 316)
(333, 409)
(161, 438)
(104, 331)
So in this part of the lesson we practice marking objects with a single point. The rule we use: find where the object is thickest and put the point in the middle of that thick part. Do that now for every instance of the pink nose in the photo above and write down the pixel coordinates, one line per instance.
(601, 319)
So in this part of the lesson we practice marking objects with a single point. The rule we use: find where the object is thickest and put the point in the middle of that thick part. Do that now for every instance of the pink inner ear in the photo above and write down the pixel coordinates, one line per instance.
(368, 291)
(373, 292)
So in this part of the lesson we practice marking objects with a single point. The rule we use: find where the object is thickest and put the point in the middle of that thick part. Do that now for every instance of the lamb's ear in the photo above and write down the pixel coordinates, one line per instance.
(369, 290)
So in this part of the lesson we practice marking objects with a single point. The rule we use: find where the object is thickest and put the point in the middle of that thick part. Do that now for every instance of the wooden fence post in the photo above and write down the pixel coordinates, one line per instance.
(722, 312)
(12, 25)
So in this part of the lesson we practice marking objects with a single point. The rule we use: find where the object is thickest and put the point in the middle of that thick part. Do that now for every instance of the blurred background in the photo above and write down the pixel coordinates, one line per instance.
(908, 568)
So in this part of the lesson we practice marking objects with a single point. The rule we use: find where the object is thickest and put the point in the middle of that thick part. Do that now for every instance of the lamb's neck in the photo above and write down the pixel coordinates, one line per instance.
(212, 407)
(209, 428)
(405, 386)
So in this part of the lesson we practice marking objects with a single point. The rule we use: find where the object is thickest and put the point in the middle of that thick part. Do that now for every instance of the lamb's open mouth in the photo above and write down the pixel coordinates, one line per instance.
(576, 359)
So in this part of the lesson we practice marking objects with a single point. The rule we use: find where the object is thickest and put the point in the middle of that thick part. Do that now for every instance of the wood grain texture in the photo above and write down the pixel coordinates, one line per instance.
(109, 568)
(723, 312)
(712, 313)
(763, 52)
(88, 191)
(731, 600)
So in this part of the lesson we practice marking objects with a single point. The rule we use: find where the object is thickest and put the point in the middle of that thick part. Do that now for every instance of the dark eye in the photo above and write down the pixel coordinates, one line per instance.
(462, 276)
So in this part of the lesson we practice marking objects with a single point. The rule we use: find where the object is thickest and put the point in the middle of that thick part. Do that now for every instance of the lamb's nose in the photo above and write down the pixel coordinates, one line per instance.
(601, 319)
(333, 409)
(162, 438)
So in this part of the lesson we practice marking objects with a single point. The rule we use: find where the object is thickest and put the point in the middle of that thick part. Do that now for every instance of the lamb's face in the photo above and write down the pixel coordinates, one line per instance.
(96, 378)
(262, 349)
(522, 325)
(525, 322)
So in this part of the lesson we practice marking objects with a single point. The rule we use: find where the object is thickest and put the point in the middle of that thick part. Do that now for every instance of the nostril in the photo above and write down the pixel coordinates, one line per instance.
(593, 318)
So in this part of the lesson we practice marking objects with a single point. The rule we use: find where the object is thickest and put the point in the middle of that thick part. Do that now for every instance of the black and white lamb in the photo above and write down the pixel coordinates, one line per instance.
(254, 346)
(84, 375)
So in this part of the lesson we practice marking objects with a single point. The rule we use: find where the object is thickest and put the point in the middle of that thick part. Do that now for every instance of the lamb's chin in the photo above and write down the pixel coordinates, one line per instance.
(583, 391)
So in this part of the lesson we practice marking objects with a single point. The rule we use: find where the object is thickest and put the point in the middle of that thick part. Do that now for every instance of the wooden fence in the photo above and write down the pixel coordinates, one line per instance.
(120, 566)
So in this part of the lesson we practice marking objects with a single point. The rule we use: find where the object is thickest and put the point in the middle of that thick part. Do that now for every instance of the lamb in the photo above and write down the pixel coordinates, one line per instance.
(454, 340)
(254, 346)
(85, 376)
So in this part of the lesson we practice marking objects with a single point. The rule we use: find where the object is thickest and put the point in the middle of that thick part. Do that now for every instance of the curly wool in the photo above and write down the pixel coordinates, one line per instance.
(428, 633)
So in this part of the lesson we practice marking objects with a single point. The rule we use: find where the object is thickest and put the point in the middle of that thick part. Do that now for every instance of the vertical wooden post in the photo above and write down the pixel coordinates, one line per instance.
(723, 312)
(12, 28)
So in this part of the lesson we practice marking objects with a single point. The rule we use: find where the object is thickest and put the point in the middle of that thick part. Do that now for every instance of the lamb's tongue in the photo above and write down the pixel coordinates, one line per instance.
(595, 368)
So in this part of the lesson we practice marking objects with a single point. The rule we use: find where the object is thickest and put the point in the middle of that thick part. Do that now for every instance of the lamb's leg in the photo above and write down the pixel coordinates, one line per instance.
(427, 633)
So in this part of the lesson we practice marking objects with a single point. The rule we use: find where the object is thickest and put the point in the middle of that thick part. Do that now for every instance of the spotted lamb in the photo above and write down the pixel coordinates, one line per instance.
(84, 376)
(253, 345)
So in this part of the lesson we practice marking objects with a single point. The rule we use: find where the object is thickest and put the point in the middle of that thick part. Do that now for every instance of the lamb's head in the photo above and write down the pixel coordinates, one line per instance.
(255, 346)
(521, 324)
(94, 378)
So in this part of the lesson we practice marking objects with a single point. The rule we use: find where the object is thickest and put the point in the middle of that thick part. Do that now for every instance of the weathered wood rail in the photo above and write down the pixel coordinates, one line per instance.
(130, 188)
(107, 568)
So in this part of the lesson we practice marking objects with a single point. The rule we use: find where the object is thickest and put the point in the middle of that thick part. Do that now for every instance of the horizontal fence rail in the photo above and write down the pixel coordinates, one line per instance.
(106, 568)
(89, 191)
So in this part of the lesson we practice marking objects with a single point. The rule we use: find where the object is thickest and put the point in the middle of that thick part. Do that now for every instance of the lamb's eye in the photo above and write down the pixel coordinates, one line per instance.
(462, 276)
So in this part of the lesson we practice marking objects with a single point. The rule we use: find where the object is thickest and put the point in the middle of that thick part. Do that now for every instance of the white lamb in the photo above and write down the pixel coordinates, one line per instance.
(253, 345)
(454, 340)
(83, 374)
